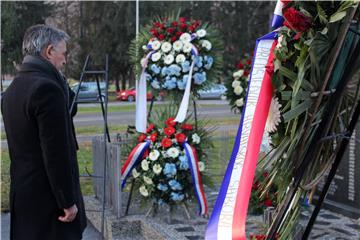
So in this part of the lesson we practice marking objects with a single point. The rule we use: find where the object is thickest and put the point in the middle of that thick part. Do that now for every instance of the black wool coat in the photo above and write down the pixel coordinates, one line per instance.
(42, 146)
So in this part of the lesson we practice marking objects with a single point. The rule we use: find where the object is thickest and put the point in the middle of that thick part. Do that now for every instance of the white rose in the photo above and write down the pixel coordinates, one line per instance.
(206, 44)
(145, 165)
(144, 191)
(201, 33)
(239, 102)
(157, 169)
(156, 57)
(235, 83)
(238, 74)
(155, 45)
(135, 173)
(201, 166)
(166, 47)
(185, 37)
(148, 180)
(177, 45)
(173, 152)
(238, 90)
(168, 59)
(187, 47)
(195, 138)
(154, 155)
(180, 58)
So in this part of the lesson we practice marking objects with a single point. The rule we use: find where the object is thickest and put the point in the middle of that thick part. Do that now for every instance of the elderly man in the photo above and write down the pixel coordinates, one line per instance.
(45, 196)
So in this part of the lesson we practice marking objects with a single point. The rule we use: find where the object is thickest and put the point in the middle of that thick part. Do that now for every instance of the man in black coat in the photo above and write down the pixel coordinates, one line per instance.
(45, 196)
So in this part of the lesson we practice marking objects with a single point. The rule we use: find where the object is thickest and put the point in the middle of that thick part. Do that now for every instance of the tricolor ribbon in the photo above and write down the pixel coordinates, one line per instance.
(133, 159)
(229, 215)
(278, 18)
(195, 173)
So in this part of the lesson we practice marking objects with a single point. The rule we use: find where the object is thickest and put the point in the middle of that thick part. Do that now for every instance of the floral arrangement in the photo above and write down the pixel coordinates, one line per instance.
(170, 45)
(238, 84)
(163, 173)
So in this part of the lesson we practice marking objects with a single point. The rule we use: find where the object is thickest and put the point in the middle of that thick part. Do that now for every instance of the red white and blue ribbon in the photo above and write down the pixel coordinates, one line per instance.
(132, 160)
(229, 215)
(278, 18)
(195, 173)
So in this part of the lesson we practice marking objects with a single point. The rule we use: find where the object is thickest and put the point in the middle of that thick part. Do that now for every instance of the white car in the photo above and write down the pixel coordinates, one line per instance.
(217, 91)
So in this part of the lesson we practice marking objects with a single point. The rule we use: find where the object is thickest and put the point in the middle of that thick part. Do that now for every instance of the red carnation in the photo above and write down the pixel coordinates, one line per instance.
(169, 131)
(296, 20)
(153, 137)
(240, 66)
(268, 202)
(186, 126)
(142, 138)
(174, 24)
(178, 34)
(173, 39)
(182, 19)
(180, 137)
(161, 37)
(248, 62)
(166, 142)
(150, 128)
(170, 122)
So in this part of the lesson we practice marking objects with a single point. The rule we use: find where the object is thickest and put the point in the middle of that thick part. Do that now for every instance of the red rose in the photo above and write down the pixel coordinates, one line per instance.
(170, 122)
(173, 39)
(182, 19)
(169, 131)
(180, 137)
(191, 28)
(156, 24)
(174, 24)
(170, 30)
(183, 26)
(154, 32)
(268, 202)
(178, 34)
(186, 126)
(166, 142)
(248, 62)
(246, 73)
(240, 66)
(142, 137)
(150, 128)
(162, 26)
(153, 137)
(296, 20)
(161, 37)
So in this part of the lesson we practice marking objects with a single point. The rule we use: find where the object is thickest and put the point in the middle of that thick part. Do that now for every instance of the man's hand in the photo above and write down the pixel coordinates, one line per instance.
(70, 214)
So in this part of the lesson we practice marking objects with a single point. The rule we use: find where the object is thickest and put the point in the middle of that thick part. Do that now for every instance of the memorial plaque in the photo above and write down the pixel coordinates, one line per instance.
(344, 192)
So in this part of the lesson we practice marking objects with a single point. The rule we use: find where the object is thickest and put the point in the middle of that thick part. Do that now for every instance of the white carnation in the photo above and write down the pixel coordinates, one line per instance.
(180, 58)
(156, 57)
(185, 37)
(187, 47)
(166, 47)
(169, 59)
(206, 44)
(177, 45)
(155, 45)
(201, 33)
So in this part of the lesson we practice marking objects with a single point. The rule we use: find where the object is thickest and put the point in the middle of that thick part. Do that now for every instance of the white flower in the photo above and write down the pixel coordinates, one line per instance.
(144, 47)
(274, 117)
(143, 62)
(238, 74)
(187, 47)
(195, 138)
(148, 180)
(154, 155)
(156, 57)
(180, 58)
(173, 152)
(157, 169)
(135, 173)
(201, 33)
(201, 166)
(239, 102)
(165, 155)
(185, 37)
(235, 83)
(145, 165)
(177, 45)
(155, 45)
(143, 191)
(168, 59)
(280, 38)
(238, 90)
(166, 47)
(206, 44)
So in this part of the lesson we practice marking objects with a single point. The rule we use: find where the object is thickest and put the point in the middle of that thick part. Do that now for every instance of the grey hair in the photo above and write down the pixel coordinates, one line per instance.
(40, 36)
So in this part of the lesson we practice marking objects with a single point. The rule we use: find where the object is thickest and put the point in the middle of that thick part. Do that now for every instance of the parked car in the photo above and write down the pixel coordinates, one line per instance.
(130, 95)
(217, 91)
(89, 91)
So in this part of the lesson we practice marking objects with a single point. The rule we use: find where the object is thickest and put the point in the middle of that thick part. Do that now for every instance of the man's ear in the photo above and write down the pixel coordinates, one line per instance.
(47, 52)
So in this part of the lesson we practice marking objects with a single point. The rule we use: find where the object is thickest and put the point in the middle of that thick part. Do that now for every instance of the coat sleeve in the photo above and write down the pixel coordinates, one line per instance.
(51, 113)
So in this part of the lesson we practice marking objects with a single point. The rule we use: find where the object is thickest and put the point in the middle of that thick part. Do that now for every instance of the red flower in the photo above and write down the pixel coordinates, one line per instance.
(161, 37)
(170, 122)
(174, 24)
(156, 24)
(183, 26)
(166, 142)
(142, 137)
(266, 174)
(186, 126)
(248, 62)
(153, 137)
(180, 137)
(178, 34)
(182, 19)
(246, 73)
(255, 186)
(154, 32)
(191, 28)
(169, 131)
(150, 128)
(296, 20)
(162, 26)
(170, 30)
(146, 153)
(268, 202)
(240, 66)
(173, 39)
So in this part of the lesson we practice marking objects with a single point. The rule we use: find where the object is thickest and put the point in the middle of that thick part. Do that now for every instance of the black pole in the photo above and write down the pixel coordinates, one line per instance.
(195, 115)
(81, 79)
(151, 106)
